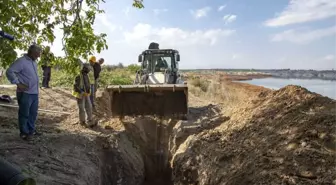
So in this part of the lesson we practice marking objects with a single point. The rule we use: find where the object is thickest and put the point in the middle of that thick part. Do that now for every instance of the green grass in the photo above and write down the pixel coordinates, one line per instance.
(110, 75)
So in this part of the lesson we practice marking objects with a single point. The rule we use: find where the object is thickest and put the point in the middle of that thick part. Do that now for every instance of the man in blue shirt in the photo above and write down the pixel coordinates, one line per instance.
(23, 73)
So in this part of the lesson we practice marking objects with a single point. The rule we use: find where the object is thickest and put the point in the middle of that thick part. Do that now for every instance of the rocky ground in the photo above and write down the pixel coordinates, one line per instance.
(236, 134)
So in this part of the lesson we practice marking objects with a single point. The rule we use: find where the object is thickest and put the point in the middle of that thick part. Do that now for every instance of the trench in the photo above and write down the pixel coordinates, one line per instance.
(140, 155)
(142, 152)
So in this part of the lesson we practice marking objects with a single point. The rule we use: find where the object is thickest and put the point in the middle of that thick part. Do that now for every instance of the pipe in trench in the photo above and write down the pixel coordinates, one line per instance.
(9, 175)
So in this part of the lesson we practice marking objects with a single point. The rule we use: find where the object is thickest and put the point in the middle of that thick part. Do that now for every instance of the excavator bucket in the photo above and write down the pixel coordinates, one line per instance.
(159, 100)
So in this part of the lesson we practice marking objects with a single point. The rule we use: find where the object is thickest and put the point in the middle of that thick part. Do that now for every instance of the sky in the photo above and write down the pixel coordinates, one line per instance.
(260, 34)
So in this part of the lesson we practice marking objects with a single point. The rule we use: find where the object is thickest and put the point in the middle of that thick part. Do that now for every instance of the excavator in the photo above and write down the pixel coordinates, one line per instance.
(158, 88)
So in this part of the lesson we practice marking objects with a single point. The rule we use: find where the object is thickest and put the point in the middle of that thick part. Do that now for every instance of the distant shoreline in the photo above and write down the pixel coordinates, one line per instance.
(249, 74)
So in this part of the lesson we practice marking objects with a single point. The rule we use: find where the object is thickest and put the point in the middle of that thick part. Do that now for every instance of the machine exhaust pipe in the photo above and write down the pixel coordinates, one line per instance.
(9, 175)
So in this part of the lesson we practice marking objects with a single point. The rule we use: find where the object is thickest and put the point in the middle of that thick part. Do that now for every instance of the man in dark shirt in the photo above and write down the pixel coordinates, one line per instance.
(101, 61)
(46, 59)
(97, 69)
(96, 72)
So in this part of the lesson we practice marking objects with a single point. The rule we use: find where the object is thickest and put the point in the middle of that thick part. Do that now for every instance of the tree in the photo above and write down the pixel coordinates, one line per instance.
(35, 20)
(120, 65)
(133, 68)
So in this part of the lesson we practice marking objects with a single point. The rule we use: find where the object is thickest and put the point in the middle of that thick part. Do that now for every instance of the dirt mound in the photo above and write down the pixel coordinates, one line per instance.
(283, 137)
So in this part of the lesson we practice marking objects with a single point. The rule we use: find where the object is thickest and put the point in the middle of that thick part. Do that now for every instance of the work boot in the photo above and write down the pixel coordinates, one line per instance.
(26, 137)
(37, 133)
(89, 125)
(82, 123)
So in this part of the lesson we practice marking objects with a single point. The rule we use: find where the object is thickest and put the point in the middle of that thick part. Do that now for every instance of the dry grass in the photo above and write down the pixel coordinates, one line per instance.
(229, 94)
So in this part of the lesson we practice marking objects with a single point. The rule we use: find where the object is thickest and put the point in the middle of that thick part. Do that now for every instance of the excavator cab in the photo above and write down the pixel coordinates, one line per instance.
(157, 89)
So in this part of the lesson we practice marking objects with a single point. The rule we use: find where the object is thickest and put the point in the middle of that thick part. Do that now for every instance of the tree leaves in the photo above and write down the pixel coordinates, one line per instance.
(35, 21)
(138, 4)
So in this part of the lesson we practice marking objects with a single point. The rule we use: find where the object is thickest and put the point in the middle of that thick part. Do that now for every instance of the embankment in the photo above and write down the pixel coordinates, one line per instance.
(285, 136)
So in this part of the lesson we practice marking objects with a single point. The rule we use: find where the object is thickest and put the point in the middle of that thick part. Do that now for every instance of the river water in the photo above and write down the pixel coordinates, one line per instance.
(323, 87)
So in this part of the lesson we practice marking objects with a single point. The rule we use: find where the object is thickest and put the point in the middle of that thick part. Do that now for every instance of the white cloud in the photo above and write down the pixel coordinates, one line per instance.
(198, 48)
(145, 33)
(203, 12)
(159, 11)
(57, 46)
(236, 56)
(103, 18)
(229, 18)
(206, 47)
(220, 8)
(127, 11)
(301, 11)
(303, 36)
(329, 57)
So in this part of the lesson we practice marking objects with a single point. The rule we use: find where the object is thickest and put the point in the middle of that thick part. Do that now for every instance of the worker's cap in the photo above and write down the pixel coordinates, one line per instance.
(92, 59)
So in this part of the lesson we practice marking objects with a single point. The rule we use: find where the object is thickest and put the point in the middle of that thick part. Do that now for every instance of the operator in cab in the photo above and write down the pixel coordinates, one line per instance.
(160, 64)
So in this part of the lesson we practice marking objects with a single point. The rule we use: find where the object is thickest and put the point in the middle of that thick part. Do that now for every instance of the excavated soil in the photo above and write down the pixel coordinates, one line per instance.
(235, 134)
(281, 137)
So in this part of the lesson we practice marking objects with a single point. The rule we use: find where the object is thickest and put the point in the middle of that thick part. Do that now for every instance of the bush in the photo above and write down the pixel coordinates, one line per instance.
(113, 67)
(115, 77)
(133, 68)
(202, 84)
(60, 78)
(110, 75)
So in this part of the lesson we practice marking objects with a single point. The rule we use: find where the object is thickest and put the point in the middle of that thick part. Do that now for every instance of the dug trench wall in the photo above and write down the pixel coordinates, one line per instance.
(281, 137)
(154, 143)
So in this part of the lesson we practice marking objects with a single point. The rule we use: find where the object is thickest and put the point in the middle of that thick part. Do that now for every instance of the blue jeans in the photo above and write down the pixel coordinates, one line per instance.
(28, 107)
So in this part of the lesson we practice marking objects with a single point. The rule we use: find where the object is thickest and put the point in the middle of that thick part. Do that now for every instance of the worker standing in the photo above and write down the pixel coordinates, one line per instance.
(92, 61)
(46, 59)
(23, 73)
(81, 90)
(98, 69)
